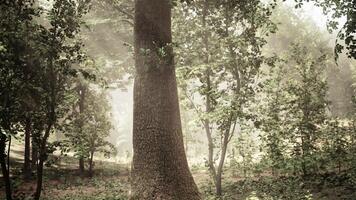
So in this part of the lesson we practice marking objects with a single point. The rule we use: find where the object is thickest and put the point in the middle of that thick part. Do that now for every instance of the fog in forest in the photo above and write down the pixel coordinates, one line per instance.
(177, 99)
(105, 42)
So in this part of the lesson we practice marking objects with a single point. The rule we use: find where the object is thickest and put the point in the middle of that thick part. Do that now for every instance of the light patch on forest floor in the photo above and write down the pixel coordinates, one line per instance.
(111, 181)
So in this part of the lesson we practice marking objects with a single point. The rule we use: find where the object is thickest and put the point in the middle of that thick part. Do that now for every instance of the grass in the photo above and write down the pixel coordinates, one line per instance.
(111, 181)
(62, 181)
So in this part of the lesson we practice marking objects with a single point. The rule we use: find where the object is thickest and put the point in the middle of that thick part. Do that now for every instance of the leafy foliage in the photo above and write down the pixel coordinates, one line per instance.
(335, 10)
(88, 131)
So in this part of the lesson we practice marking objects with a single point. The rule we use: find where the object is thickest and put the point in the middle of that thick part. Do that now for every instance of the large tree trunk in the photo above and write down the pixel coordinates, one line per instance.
(27, 159)
(160, 168)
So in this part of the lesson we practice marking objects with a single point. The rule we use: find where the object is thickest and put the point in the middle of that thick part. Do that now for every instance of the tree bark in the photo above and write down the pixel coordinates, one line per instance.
(27, 154)
(216, 173)
(34, 156)
(219, 172)
(42, 144)
(43, 157)
(81, 165)
(160, 169)
(4, 168)
(6, 176)
(208, 107)
(51, 102)
(38, 191)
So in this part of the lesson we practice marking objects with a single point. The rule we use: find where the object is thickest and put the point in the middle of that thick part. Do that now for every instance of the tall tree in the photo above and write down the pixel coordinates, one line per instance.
(220, 62)
(62, 52)
(15, 20)
(82, 91)
(308, 106)
(160, 168)
(89, 128)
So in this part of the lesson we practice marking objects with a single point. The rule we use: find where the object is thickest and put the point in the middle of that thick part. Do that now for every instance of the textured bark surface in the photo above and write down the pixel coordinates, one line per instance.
(42, 157)
(160, 169)
(4, 167)
(34, 154)
(81, 166)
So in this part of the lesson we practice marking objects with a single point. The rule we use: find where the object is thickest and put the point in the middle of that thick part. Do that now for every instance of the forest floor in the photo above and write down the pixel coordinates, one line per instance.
(111, 182)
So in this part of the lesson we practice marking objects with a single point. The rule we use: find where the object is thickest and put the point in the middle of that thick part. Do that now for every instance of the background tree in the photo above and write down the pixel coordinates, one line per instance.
(16, 23)
(308, 107)
(225, 71)
(336, 10)
(88, 131)
(272, 122)
(62, 51)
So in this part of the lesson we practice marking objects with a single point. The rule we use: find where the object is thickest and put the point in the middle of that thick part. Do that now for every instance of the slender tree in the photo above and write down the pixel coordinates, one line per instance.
(224, 59)
(63, 50)
(81, 90)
